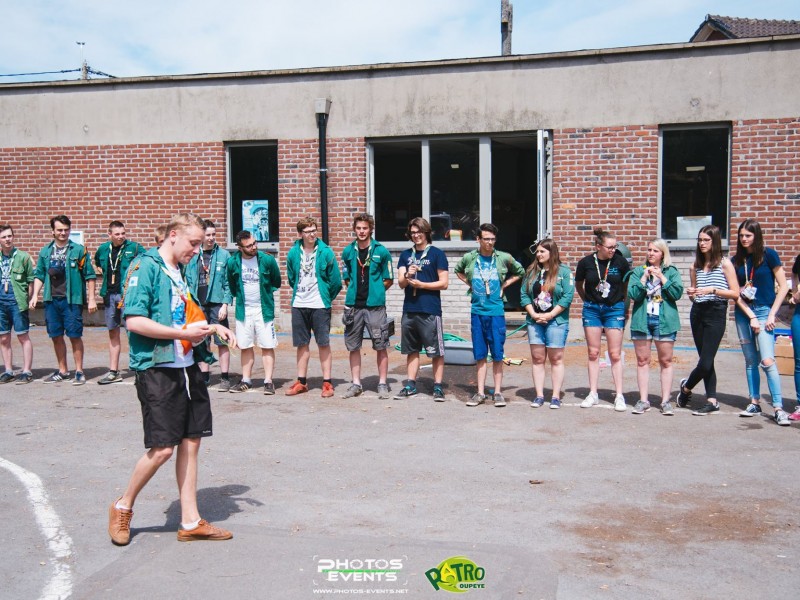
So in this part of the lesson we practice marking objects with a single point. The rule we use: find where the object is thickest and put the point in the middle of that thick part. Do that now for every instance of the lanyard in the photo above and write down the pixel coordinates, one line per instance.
(413, 260)
(203, 263)
(5, 266)
(366, 263)
(597, 266)
(752, 270)
(179, 287)
(114, 264)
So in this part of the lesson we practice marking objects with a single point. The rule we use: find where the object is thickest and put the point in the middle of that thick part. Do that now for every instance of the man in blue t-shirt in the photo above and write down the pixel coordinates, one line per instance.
(488, 272)
(422, 273)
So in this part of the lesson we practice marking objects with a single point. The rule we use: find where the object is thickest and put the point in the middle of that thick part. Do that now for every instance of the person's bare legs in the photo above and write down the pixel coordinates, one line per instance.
(77, 352)
(665, 350)
(593, 337)
(248, 358)
(642, 349)
(268, 362)
(144, 470)
(60, 348)
(325, 361)
(186, 476)
(303, 354)
(538, 357)
(556, 357)
(382, 358)
(114, 349)
(614, 339)
(355, 366)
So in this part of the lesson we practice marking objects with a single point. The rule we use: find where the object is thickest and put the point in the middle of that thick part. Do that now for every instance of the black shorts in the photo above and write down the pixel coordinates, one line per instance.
(175, 405)
(306, 320)
(421, 331)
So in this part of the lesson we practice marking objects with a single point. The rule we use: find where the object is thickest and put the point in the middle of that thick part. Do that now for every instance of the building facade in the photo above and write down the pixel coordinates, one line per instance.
(646, 142)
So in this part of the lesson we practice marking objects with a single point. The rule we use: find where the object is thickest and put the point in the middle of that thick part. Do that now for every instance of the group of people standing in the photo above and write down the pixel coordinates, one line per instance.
(753, 278)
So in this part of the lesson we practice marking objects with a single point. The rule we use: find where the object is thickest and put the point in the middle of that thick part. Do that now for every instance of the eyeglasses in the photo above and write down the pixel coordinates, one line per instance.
(308, 231)
(412, 233)
(703, 240)
(249, 246)
(614, 247)
(489, 240)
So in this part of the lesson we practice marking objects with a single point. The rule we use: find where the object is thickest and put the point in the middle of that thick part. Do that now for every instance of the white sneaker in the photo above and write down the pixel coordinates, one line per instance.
(619, 403)
(591, 400)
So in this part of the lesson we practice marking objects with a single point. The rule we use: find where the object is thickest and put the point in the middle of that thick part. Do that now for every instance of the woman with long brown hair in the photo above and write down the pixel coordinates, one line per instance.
(546, 294)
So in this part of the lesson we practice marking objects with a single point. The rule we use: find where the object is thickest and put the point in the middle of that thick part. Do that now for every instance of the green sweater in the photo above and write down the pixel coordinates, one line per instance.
(505, 264)
(669, 320)
(270, 281)
(149, 294)
(329, 280)
(21, 277)
(218, 290)
(79, 271)
(129, 250)
(562, 293)
(380, 268)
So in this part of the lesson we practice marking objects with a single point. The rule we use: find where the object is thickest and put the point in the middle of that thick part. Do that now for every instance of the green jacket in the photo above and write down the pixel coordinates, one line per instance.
(79, 271)
(380, 268)
(668, 319)
(149, 294)
(218, 290)
(129, 251)
(21, 277)
(270, 281)
(329, 279)
(507, 266)
(562, 293)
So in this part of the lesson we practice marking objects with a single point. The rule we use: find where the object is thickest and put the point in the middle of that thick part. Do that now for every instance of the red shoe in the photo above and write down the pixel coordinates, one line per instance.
(327, 389)
(297, 388)
(795, 416)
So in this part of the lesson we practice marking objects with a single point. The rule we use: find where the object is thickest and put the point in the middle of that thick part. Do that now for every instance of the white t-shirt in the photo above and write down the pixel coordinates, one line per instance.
(307, 294)
(251, 282)
(178, 307)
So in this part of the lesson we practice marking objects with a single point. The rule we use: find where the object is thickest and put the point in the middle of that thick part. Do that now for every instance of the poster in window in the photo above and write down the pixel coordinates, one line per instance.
(255, 219)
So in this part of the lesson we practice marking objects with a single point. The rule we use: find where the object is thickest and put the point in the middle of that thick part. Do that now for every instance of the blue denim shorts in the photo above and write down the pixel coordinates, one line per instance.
(652, 332)
(12, 317)
(488, 334)
(62, 317)
(549, 335)
(607, 317)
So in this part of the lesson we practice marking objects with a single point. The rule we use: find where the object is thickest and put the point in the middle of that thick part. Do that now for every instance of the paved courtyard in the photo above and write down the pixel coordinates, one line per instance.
(365, 496)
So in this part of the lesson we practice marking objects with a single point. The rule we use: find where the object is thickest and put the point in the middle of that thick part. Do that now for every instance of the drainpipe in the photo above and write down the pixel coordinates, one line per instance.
(322, 107)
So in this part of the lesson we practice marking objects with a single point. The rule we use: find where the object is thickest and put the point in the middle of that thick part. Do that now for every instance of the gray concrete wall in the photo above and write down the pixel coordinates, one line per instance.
(678, 83)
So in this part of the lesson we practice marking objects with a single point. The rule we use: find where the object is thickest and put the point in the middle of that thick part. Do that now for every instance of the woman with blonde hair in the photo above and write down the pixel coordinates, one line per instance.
(655, 289)
(546, 294)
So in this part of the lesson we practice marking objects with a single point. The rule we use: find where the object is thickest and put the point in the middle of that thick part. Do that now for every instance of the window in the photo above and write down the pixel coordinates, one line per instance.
(694, 180)
(253, 189)
(457, 184)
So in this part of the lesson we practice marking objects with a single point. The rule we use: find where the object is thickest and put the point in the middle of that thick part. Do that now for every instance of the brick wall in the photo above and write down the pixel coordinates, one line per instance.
(141, 185)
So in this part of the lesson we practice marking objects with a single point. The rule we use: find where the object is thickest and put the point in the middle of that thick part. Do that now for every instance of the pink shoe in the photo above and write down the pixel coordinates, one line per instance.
(795, 416)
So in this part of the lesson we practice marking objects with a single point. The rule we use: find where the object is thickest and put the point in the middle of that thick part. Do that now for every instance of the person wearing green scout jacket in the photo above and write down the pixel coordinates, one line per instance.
(208, 282)
(487, 272)
(65, 272)
(166, 341)
(313, 274)
(16, 290)
(367, 272)
(253, 277)
(655, 289)
(112, 261)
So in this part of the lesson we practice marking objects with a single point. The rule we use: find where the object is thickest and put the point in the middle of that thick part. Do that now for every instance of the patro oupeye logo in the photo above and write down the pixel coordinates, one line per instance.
(456, 574)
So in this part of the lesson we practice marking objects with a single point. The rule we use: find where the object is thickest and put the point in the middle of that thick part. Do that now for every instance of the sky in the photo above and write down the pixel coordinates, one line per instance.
(176, 37)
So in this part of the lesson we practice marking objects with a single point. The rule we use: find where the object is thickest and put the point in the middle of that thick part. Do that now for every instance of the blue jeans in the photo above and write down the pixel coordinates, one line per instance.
(757, 349)
(796, 344)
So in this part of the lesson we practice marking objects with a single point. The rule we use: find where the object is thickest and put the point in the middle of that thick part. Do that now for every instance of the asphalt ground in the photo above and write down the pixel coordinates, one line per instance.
(574, 503)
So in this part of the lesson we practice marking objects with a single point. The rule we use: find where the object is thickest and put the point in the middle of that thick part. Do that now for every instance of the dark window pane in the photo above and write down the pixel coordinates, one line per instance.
(254, 190)
(514, 200)
(694, 181)
(398, 188)
(454, 188)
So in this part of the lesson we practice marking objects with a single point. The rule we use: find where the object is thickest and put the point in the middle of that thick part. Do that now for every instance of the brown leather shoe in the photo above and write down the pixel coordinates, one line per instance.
(203, 531)
(327, 389)
(119, 524)
(297, 388)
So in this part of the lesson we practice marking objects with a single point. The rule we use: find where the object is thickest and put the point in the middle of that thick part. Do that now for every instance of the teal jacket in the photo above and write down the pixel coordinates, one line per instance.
(21, 277)
(149, 294)
(270, 281)
(562, 293)
(329, 279)
(380, 268)
(218, 290)
(668, 319)
(507, 266)
(129, 250)
(79, 271)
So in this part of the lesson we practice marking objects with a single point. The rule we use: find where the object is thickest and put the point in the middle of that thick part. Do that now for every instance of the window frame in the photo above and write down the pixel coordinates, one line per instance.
(691, 243)
(273, 245)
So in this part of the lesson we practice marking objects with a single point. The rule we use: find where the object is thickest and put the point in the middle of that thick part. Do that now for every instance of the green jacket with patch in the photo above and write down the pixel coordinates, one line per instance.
(79, 271)
(129, 251)
(380, 268)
